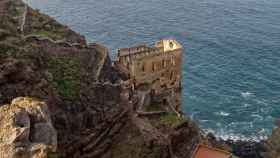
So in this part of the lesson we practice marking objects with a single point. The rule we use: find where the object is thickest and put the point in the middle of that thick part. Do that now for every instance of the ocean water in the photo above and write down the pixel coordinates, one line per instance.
(231, 68)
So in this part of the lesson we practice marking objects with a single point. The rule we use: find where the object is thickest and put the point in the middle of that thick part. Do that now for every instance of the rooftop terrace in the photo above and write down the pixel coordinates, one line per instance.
(163, 45)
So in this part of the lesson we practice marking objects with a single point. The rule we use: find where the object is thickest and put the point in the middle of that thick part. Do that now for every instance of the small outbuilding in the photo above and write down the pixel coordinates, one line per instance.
(203, 151)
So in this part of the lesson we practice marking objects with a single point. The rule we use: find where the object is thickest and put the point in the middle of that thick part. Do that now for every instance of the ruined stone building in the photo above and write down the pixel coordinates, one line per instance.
(154, 72)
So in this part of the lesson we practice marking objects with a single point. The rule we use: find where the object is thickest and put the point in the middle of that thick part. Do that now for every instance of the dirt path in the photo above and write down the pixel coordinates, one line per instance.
(24, 18)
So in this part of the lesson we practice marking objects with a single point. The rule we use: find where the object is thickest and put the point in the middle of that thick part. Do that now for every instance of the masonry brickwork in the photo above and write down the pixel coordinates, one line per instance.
(154, 72)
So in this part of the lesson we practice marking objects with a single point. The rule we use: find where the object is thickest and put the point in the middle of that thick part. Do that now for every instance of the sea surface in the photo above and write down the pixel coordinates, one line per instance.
(231, 68)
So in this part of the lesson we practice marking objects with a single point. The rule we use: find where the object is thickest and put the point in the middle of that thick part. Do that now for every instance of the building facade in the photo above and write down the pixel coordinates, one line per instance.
(154, 70)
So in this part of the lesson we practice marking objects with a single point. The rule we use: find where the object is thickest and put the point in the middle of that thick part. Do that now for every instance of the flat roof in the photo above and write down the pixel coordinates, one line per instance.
(135, 52)
(166, 45)
(203, 151)
(131, 50)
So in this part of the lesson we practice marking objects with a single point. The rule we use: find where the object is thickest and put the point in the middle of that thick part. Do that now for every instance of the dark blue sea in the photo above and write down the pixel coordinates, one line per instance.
(231, 69)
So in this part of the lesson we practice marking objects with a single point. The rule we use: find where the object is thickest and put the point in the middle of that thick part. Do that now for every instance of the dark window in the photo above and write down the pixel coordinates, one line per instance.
(173, 61)
(171, 44)
(164, 101)
(171, 75)
(154, 67)
(164, 63)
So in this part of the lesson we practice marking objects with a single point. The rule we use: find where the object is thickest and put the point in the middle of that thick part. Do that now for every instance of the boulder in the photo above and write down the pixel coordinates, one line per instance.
(273, 144)
(26, 130)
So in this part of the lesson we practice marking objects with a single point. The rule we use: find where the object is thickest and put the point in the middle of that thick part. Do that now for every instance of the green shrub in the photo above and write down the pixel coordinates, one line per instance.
(51, 34)
(171, 119)
(66, 76)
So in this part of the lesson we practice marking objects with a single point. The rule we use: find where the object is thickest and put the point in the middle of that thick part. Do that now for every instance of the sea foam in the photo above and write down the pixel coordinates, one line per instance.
(228, 135)
(246, 94)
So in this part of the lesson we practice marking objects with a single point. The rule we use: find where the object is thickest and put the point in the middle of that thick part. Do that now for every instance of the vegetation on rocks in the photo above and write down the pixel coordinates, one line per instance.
(102, 125)
(154, 107)
(52, 35)
(66, 76)
(171, 119)
(6, 50)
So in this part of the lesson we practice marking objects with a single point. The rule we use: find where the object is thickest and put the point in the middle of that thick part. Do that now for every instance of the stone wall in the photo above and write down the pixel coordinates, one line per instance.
(155, 71)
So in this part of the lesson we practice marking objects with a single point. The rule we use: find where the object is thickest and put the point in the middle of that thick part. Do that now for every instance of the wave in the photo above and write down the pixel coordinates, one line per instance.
(246, 94)
(227, 135)
(257, 116)
(222, 113)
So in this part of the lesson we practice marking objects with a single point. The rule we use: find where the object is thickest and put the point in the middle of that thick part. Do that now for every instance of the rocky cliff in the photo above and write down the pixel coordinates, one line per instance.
(61, 97)
(273, 144)
(26, 130)
(43, 59)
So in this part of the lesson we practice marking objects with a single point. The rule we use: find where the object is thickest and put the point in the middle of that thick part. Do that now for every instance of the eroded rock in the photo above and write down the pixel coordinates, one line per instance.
(273, 144)
(26, 130)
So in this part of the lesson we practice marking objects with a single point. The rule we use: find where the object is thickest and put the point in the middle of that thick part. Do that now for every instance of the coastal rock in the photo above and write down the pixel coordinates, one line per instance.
(43, 59)
(273, 144)
(26, 130)
(20, 77)
(185, 138)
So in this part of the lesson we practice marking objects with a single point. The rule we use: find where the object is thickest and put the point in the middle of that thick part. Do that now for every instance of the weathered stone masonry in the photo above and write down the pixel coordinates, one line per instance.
(154, 73)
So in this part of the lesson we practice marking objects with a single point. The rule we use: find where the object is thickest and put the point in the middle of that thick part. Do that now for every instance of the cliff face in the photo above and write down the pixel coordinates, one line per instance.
(273, 144)
(43, 59)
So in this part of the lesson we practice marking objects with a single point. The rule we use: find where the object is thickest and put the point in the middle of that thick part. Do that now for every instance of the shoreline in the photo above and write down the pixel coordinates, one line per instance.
(245, 93)
(96, 126)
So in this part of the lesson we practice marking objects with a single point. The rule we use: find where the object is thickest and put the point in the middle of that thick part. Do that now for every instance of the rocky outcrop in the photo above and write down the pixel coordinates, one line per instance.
(141, 137)
(185, 139)
(26, 130)
(82, 96)
(43, 59)
(273, 144)
(20, 78)
(48, 61)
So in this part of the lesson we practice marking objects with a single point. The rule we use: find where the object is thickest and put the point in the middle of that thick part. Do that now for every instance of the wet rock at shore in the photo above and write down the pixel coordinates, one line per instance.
(77, 81)
(273, 144)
